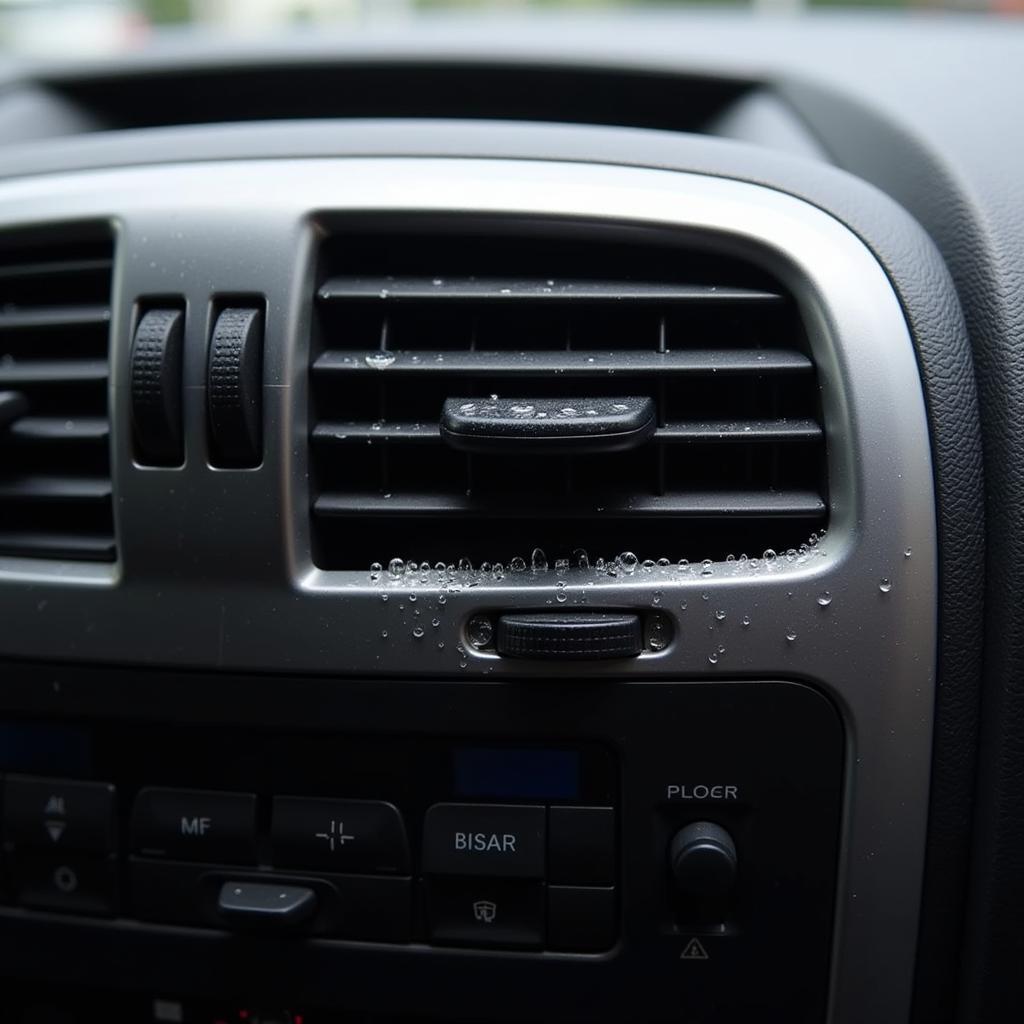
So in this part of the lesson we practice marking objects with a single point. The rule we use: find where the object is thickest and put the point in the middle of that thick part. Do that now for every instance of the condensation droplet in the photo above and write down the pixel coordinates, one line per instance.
(517, 564)
(720, 615)
(480, 631)
(465, 565)
(824, 599)
(441, 599)
(745, 622)
(412, 598)
(713, 658)
(627, 562)
(418, 632)
(907, 553)
(560, 595)
(791, 635)
(707, 567)
(885, 585)
(379, 360)
(769, 556)
(580, 558)
(648, 564)
(435, 623)
(682, 606)
(656, 599)
(383, 634)
(384, 598)
(561, 566)
(375, 570)
(440, 645)
(538, 560)
(683, 565)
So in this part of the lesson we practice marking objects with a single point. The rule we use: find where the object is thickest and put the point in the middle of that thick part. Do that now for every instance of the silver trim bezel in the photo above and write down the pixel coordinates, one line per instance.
(234, 585)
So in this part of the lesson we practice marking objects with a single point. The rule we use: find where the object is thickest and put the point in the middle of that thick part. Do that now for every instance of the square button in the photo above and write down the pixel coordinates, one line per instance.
(59, 814)
(581, 845)
(484, 912)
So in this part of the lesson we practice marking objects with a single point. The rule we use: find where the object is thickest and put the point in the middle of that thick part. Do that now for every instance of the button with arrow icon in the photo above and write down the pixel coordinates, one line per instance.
(59, 814)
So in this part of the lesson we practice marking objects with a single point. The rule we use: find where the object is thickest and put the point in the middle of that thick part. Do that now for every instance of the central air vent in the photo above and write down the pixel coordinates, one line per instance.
(55, 490)
(736, 463)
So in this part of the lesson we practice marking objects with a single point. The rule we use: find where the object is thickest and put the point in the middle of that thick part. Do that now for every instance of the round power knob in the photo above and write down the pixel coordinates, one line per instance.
(703, 860)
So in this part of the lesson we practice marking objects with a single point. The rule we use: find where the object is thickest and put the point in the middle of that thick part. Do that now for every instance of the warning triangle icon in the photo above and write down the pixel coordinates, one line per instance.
(694, 951)
(56, 830)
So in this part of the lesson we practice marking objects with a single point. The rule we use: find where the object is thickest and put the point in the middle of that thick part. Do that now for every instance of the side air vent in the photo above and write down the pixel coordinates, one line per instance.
(55, 490)
(735, 463)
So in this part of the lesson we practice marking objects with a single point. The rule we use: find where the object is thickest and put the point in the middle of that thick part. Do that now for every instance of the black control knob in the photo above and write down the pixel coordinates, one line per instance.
(703, 861)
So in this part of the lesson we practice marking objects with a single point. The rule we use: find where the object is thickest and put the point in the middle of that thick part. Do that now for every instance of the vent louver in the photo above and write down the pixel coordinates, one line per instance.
(55, 488)
(737, 463)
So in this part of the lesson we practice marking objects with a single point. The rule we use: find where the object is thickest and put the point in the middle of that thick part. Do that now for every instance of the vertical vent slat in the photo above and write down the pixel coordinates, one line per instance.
(736, 464)
(56, 500)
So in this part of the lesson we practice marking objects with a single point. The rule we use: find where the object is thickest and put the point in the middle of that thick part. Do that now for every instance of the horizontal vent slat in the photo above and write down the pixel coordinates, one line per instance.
(712, 432)
(53, 428)
(54, 489)
(56, 371)
(54, 268)
(54, 316)
(738, 504)
(497, 290)
(69, 546)
(597, 364)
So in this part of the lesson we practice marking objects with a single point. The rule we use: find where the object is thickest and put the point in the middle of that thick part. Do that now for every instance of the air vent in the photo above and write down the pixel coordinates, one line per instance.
(737, 461)
(55, 489)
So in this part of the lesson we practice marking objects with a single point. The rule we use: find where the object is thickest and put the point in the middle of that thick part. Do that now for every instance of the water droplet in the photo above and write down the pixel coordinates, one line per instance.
(561, 566)
(384, 598)
(885, 585)
(656, 599)
(538, 560)
(627, 562)
(375, 570)
(745, 622)
(707, 567)
(411, 567)
(441, 599)
(560, 595)
(379, 360)
(824, 599)
(465, 565)
(412, 598)
(663, 562)
(418, 632)
(684, 565)
(907, 553)
(467, 407)
(480, 631)
(383, 634)
(395, 568)
(769, 556)
(720, 615)
(485, 567)
(713, 658)
(580, 559)
(682, 606)
(517, 564)
(657, 634)
(435, 623)
(599, 564)
(440, 645)
(648, 564)
(791, 635)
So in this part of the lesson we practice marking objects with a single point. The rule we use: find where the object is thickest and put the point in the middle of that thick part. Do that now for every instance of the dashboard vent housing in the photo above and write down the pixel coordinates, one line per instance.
(404, 322)
(55, 486)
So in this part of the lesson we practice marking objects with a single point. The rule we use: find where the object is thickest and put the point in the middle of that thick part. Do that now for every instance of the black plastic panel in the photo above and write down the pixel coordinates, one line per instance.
(685, 752)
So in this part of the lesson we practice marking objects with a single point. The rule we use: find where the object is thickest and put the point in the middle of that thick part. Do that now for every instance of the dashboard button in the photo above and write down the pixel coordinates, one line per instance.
(195, 825)
(339, 835)
(581, 845)
(497, 914)
(75, 885)
(500, 841)
(266, 905)
(581, 919)
(58, 814)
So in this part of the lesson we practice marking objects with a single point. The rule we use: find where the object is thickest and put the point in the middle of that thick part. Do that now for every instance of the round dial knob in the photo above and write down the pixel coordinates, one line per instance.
(703, 860)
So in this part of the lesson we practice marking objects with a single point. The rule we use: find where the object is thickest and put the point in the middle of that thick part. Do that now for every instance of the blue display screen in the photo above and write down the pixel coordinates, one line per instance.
(44, 749)
(521, 774)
